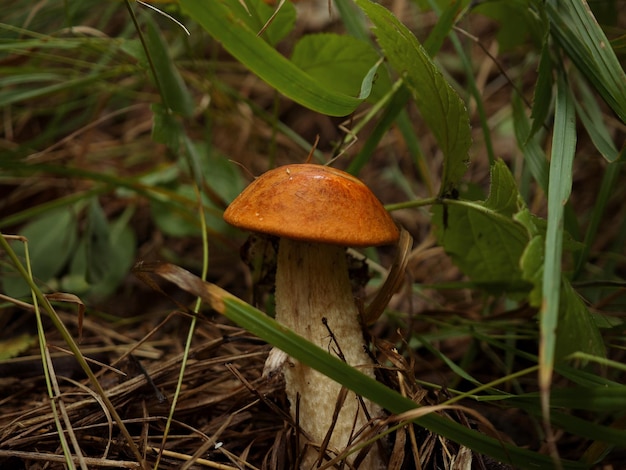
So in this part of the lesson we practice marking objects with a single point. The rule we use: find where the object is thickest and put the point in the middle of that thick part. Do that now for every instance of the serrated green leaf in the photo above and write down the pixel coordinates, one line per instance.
(485, 246)
(483, 239)
(503, 195)
(440, 106)
(219, 18)
(533, 258)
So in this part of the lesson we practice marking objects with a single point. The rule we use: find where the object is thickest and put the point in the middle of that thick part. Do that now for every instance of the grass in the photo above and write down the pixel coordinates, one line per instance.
(125, 136)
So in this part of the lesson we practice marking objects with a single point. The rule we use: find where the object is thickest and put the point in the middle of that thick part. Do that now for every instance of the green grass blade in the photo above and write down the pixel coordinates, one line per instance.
(447, 18)
(578, 32)
(576, 426)
(590, 114)
(534, 156)
(310, 354)
(47, 364)
(602, 399)
(218, 19)
(560, 185)
(297, 347)
(72, 345)
(542, 96)
(176, 96)
(394, 107)
(11, 97)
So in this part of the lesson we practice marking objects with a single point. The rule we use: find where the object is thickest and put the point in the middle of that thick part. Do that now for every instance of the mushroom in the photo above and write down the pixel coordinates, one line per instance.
(318, 211)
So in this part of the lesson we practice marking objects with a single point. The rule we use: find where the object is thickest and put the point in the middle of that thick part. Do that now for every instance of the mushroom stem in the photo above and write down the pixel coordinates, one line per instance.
(314, 298)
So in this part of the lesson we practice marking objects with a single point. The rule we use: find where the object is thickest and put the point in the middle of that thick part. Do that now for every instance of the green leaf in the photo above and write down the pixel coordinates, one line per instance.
(121, 258)
(441, 107)
(336, 61)
(578, 33)
(542, 99)
(97, 243)
(590, 114)
(503, 196)
(177, 222)
(220, 173)
(518, 23)
(444, 25)
(483, 239)
(353, 19)
(52, 240)
(219, 18)
(530, 145)
(560, 186)
(176, 213)
(175, 94)
(15, 345)
(166, 129)
(577, 330)
(531, 263)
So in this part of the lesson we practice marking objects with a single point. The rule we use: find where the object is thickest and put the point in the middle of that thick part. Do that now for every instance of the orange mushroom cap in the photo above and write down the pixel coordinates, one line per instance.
(313, 203)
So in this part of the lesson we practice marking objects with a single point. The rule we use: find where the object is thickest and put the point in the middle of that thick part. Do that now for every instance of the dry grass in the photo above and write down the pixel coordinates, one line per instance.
(227, 415)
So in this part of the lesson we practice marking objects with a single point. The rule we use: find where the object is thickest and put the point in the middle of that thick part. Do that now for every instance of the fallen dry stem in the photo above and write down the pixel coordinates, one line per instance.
(185, 457)
(47, 457)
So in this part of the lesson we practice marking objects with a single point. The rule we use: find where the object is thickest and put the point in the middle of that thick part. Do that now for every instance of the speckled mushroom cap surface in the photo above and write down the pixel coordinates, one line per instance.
(313, 203)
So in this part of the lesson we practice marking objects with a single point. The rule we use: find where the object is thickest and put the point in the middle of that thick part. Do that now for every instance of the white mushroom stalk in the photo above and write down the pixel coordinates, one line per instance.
(317, 211)
(314, 299)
